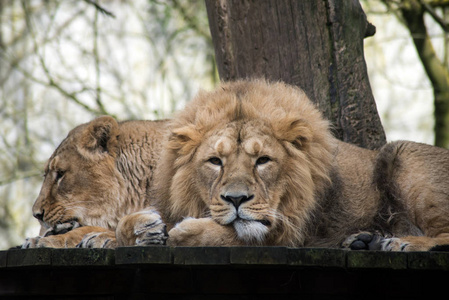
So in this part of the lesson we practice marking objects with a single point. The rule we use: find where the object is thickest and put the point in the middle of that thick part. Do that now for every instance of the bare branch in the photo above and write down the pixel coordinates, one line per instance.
(99, 8)
(437, 3)
(51, 81)
(191, 21)
(97, 66)
(435, 16)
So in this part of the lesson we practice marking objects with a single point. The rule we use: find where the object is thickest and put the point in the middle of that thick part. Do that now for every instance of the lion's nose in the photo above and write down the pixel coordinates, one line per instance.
(236, 199)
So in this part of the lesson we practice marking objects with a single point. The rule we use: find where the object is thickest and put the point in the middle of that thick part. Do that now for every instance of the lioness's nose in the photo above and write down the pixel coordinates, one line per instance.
(39, 215)
(38, 211)
(236, 199)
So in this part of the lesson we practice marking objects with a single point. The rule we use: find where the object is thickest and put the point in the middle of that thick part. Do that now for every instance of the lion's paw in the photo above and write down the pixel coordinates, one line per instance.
(394, 244)
(142, 228)
(187, 232)
(98, 240)
(202, 232)
(375, 241)
(364, 241)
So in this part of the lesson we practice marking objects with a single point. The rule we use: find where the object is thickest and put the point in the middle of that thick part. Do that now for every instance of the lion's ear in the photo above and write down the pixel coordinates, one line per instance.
(297, 132)
(99, 138)
(184, 140)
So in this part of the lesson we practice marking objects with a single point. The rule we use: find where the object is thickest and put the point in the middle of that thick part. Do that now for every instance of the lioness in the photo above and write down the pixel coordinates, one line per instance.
(251, 163)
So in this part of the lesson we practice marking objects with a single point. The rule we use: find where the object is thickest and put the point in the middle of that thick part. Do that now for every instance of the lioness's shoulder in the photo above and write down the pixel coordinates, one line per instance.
(143, 129)
(135, 126)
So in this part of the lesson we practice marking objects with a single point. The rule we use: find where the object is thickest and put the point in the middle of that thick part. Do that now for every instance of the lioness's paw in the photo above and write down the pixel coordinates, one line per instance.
(49, 239)
(151, 233)
(142, 228)
(364, 241)
(62, 228)
(69, 239)
(31, 243)
(98, 240)
(52, 241)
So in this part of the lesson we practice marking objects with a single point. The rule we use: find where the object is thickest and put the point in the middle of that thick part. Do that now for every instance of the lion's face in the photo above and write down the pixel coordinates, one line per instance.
(80, 178)
(239, 169)
(251, 155)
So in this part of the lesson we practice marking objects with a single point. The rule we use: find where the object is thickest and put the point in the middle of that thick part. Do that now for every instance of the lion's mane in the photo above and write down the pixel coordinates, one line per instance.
(295, 123)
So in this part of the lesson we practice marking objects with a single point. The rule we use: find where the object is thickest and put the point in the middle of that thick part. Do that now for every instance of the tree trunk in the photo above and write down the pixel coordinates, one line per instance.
(316, 45)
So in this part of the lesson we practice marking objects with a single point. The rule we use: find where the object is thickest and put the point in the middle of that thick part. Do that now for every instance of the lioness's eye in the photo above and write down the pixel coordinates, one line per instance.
(262, 160)
(59, 174)
(215, 161)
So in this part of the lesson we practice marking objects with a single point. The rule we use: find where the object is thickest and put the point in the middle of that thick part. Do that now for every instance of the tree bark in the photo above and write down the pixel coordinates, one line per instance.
(316, 45)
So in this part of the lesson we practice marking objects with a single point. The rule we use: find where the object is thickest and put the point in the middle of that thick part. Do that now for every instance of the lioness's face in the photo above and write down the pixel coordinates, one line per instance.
(80, 182)
(239, 173)
(73, 190)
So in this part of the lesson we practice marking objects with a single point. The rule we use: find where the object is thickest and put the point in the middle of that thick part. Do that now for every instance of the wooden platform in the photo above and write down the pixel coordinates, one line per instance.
(221, 273)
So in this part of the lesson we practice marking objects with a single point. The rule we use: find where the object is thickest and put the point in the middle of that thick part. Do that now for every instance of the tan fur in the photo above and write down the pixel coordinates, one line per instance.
(250, 163)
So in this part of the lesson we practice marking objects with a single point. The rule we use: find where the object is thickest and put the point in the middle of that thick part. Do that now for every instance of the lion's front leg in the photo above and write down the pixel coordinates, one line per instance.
(202, 232)
(69, 239)
(141, 228)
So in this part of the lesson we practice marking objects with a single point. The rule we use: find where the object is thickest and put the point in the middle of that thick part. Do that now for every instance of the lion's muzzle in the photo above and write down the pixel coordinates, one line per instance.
(236, 192)
(236, 198)
(249, 225)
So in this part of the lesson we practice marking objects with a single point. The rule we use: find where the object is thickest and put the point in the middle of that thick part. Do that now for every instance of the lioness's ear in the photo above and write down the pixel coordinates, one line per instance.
(99, 137)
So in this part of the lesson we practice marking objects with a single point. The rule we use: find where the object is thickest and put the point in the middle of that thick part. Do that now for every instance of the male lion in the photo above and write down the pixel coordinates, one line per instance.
(251, 163)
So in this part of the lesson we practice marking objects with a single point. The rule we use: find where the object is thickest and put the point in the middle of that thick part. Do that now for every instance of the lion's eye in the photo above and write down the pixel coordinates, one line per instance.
(215, 161)
(262, 160)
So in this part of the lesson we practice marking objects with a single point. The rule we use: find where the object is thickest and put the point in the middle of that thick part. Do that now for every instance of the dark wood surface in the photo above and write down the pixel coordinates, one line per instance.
(220, 273)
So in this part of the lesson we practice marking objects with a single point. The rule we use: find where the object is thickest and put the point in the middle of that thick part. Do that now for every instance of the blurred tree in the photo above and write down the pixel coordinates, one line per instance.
(412, 14)
(316, 45)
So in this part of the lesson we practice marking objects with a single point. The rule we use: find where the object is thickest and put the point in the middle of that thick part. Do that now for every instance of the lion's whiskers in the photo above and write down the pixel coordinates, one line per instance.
(284, 219)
